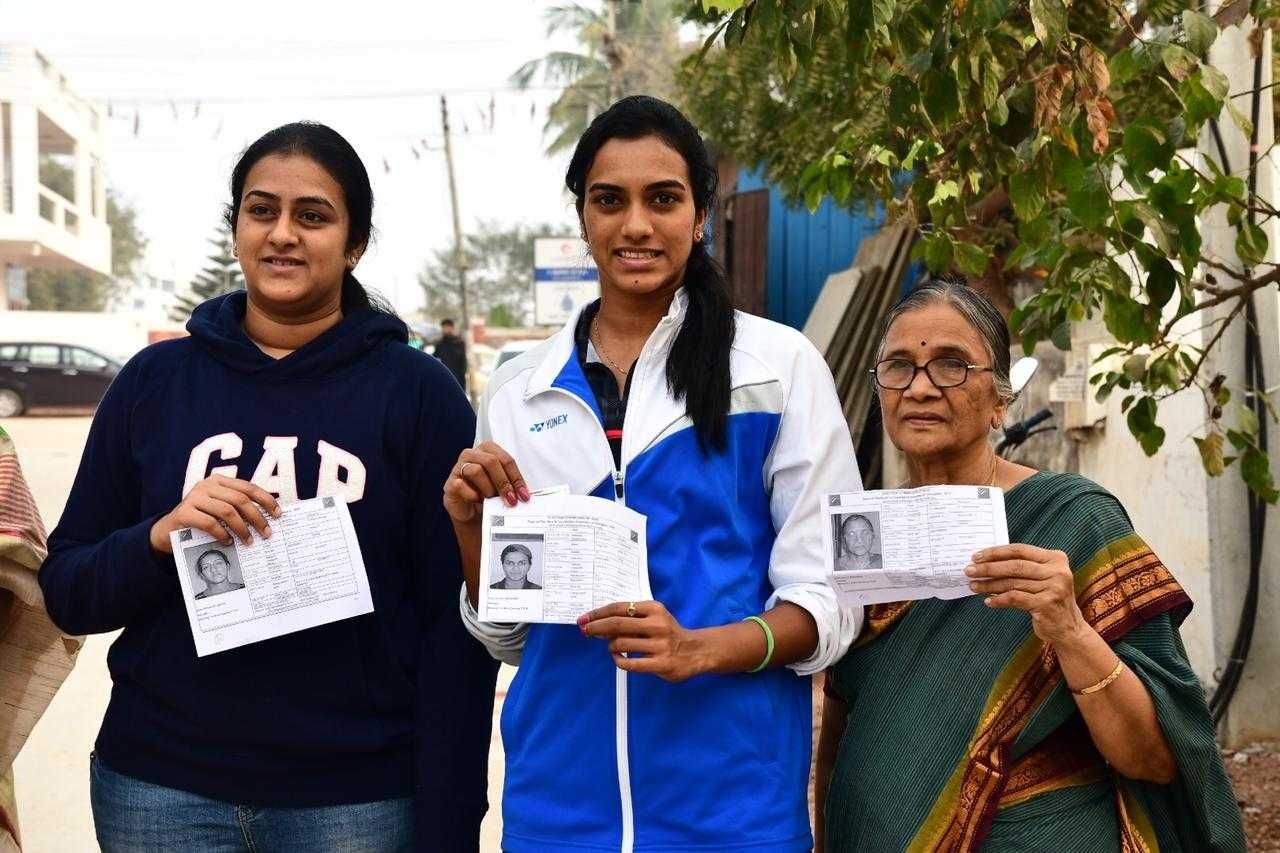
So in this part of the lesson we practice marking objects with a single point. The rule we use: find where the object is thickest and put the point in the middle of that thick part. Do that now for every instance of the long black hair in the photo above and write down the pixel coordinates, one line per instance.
(698, 364)
(335, 155)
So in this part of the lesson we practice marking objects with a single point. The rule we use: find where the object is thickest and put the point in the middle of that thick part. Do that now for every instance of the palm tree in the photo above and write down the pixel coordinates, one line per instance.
(628, 47)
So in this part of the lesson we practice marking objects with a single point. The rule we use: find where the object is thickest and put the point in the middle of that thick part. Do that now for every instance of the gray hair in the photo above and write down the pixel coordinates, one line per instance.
(983, 316)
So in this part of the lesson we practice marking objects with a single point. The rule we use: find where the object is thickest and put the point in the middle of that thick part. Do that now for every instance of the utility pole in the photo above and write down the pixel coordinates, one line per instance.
(460, 257)
(613, 50)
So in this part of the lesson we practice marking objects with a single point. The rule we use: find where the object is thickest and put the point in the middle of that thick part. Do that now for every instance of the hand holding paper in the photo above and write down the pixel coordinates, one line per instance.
(907, 544)
(310, 572)
(558, 556)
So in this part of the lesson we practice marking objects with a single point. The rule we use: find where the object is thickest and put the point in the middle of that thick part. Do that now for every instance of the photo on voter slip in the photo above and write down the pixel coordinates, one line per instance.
(310, 572)
(518, 565)
(558, 556)
(907, 544)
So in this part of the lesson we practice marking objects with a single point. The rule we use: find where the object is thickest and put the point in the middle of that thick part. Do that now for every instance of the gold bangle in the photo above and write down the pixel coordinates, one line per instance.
(1101, 685)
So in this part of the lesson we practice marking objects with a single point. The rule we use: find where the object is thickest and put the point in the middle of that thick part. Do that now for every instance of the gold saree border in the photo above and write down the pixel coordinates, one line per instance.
(1121, 586)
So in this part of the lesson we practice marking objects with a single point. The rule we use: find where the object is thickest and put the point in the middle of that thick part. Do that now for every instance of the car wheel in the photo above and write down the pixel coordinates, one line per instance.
(11, 404)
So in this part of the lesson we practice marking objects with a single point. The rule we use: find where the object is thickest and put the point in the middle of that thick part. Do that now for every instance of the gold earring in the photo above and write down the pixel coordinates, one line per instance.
(697, 235)
(235, 251)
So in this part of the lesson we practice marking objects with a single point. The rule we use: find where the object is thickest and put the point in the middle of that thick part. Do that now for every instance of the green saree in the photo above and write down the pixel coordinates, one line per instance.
(962, 736)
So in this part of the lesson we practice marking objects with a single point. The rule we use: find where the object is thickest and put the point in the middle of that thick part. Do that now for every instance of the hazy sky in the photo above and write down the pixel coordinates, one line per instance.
(201, 81)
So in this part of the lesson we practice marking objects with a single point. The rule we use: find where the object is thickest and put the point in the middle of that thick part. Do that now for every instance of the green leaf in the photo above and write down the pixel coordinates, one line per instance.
(1123, 67)
(1179, 61)
(1125, 320)
(1061, 336)
(1242, 121)
(1087, 198)
(998, 115)
(1199, 104)
(813, 195)
(1201, 31)
(1214, 82)
(1164, 231)
(1135, 366)
(1247, 421)
(1027, 196)
(988, 13)
(990, 84)
(1146, 146)
(904, 96)
(1142, 423)
(971, 259)
(944, 190)
(940, 95)
(1162, 282)
(1211, 453)
(1049, 20)
(938, 252)
(1255, 468)
(1251, 243)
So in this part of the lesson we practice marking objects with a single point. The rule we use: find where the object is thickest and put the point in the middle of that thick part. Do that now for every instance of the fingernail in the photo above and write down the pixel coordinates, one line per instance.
(276, 512)
(977, 558)
(525, 494)
(987, 600)
(266, 533)
(973, 587)
(970, 570)
(583, 620)
(510, 498)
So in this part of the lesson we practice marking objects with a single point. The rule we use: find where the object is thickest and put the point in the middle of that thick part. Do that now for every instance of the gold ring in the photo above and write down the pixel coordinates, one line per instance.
(631, 609)
(462, 469)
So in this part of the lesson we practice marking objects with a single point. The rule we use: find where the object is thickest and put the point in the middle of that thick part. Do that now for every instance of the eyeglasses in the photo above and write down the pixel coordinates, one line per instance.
(897, 374)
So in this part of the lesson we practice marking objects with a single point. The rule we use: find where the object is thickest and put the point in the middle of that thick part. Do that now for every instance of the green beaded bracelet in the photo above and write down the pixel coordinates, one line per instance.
(768, 641)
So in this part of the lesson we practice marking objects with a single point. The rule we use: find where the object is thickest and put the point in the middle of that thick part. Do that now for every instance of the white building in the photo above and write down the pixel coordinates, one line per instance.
(47, 133)
(149, 295)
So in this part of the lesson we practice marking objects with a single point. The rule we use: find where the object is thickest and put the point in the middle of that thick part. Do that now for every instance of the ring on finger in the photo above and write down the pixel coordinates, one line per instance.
(631, 608)
(462, 469)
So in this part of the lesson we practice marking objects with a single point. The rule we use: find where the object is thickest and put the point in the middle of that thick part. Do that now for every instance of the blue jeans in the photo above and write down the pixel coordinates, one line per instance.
(132, 816)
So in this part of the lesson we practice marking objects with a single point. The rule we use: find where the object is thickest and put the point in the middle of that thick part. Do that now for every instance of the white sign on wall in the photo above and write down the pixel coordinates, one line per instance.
(564, 278)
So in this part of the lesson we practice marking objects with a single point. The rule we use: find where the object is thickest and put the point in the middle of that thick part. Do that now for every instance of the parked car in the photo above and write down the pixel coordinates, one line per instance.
(42, 375)
(511, 349)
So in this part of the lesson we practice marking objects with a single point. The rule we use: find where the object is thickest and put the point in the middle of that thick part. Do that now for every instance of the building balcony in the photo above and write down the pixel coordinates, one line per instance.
(52, 185)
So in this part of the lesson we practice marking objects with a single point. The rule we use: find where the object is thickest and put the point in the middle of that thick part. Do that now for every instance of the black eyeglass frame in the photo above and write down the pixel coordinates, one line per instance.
(916, 368)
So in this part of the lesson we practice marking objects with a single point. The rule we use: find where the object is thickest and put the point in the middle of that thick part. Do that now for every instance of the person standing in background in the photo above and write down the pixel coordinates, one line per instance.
(35, 657)
(451, 349)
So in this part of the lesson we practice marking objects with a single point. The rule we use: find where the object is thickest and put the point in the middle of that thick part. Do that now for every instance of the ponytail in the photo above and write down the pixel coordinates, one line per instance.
(698, 365)
(356, 298)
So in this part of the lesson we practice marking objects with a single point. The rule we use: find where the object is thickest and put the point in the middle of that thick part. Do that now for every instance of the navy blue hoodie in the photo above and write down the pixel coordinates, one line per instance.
(325, 716)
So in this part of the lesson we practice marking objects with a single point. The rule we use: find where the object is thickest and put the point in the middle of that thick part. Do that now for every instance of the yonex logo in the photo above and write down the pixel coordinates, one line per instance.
(549, 423)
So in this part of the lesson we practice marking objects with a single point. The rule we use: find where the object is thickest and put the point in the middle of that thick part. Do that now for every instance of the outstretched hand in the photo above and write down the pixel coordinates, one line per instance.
(1036, 580)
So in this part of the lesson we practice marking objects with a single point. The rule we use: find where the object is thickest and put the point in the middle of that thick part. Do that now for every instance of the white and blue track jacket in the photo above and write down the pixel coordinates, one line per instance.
(600, 759)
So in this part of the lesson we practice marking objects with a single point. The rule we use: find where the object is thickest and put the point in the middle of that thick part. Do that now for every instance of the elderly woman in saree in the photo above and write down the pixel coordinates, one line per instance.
(1054, 709)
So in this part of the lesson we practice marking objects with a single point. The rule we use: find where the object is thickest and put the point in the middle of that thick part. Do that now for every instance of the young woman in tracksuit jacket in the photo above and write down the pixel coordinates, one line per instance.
(317, 740)
(680, 723)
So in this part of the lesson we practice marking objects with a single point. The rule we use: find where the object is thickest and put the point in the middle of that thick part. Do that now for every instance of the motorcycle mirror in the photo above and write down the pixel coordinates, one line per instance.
(1022, 371)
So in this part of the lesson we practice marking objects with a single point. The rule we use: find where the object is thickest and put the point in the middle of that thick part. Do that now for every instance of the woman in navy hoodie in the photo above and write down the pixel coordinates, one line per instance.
(329, 738)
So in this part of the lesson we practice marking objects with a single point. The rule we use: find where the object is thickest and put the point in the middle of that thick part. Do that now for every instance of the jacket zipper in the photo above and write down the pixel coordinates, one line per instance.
(620, 676)
(620, 680)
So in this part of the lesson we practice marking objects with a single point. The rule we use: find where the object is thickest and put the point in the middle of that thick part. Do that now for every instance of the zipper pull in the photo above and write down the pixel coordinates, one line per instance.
(617, 485)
